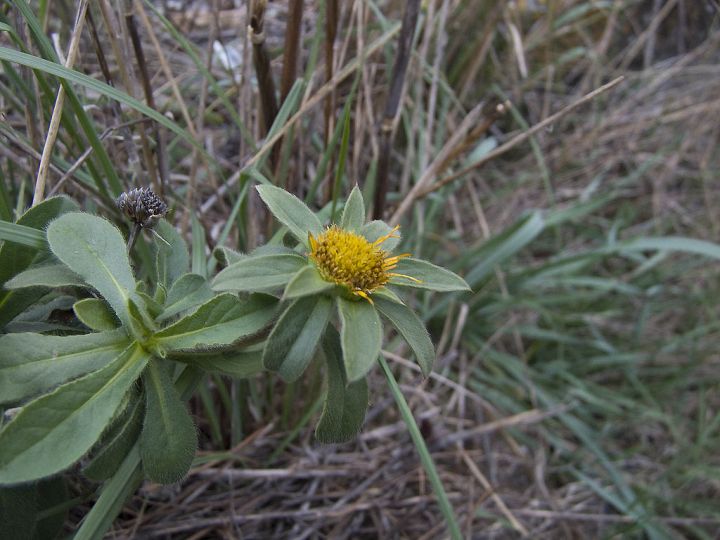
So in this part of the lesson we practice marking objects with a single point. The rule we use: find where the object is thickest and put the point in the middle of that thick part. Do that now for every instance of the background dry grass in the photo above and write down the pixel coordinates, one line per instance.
(582, 408)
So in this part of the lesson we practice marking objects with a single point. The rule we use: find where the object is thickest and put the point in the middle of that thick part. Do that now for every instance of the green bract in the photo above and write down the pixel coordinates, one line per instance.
(334, 288)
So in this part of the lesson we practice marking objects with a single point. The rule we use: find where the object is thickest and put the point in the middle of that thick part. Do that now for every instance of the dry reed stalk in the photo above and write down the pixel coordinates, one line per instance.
(133, 157)
(54, 126)
(291, 55)
(332, 11)
(392, 105)
(261, 61)
(320, 95)
(292, 47)
(421, 189)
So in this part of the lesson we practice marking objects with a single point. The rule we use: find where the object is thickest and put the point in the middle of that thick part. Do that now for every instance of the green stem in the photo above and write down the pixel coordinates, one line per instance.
(421, 447)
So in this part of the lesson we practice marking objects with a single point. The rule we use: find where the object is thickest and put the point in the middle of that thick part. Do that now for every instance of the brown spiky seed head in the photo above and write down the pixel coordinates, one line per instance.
(142, 206)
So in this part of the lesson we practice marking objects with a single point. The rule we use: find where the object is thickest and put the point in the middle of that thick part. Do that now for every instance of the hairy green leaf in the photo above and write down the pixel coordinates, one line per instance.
(48, 275)
(116, 444)
(291, 212)
(188, 291)
(361, 336)
(412, 329)
(259, 272)
(374, 230)
(345, 404)
(243, 364)
(171, 261)
(34, 363)
(222, 321)
(168, 440)
(431, 277)
(95, 249)
(16, 257)
(54, 431)
(291, 345)
(306, 282)
(95, 314)
(353, 215)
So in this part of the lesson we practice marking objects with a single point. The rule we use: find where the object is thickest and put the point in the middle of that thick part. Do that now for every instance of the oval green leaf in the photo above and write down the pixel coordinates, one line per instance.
(115, 445)
(411, 329)
(360, 336)
(172, 260)
(292, 343)
(34, 363)
(306, 282)
(222, 321)
(168, 440)
(188, 291)
(353, 215)
(95, 314)
(431, 277)
(345, 404)
(95, 249)
(377, 229)
(48, 275)
(291, 212)
(259, 273)
(54, 431)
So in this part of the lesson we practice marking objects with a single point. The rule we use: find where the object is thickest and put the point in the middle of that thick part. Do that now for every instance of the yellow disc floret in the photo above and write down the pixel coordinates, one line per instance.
(349, 259)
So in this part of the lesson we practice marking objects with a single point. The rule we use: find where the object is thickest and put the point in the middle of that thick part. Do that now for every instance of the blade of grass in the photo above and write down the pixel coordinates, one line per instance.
(421, 447)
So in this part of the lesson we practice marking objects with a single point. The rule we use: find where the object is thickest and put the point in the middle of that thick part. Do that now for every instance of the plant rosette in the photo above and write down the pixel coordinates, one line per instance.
(340, 272)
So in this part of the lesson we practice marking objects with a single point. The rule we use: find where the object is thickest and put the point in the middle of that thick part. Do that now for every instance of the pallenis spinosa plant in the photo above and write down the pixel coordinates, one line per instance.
(319, 294)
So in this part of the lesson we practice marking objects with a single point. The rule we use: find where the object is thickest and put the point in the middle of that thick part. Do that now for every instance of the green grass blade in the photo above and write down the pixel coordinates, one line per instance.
(421, 447)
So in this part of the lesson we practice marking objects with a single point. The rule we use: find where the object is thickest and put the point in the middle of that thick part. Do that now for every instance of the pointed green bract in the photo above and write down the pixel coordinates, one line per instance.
(168, 440)
(49, 275)
(94, 248)
(173, 260)
(95, 314)
(34, 363)
(259, 273)
(431, 277)
(54, 431)
(353, 215)
(345, 404)
(360, 336)
(291, 212)
(291, 345)
(188, 291)
(377, 229)
(222, 321)
(306, 282)
(411, 329)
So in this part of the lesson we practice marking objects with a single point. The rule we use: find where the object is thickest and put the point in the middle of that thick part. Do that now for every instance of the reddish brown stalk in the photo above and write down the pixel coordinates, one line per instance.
(392, 105)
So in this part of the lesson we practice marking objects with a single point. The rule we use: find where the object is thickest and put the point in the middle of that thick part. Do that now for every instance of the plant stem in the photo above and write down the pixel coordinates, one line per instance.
(421, 447)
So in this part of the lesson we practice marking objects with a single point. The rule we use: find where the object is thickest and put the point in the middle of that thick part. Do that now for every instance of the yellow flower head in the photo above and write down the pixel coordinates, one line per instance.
(349, 259)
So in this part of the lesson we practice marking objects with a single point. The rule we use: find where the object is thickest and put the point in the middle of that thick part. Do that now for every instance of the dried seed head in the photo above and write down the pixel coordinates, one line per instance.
(142, 206)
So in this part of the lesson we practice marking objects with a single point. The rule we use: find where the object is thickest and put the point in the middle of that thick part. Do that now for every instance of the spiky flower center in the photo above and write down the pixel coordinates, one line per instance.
(349, 259)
